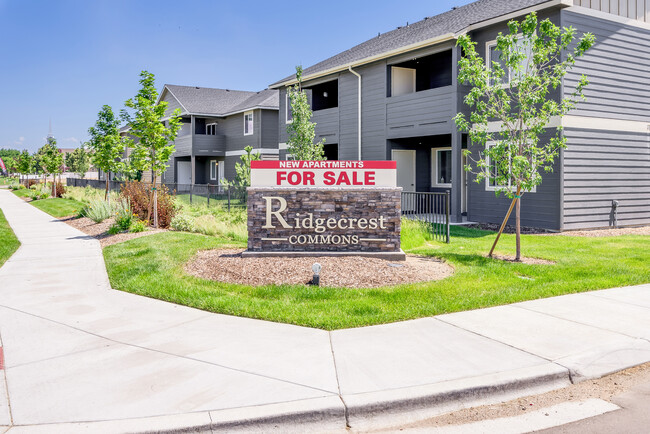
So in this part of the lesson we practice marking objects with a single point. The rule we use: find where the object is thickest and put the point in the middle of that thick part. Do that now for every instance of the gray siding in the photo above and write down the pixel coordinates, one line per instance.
(602, 166)
(269, 128)
(173, 103)
(540, 209)
(424, 113)
(634, 9)
(618, 69)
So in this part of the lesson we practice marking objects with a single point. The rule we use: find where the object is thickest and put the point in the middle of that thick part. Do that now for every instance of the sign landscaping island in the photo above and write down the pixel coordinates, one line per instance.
(324, 208)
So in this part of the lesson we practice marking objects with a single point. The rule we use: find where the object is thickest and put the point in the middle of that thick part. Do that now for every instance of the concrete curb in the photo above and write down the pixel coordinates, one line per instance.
(328, 415)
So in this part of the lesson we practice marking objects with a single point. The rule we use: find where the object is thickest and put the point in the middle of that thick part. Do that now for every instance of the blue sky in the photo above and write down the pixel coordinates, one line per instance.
(64, 59)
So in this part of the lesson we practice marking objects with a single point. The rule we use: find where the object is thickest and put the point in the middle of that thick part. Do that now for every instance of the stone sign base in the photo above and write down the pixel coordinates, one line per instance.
(293, 222)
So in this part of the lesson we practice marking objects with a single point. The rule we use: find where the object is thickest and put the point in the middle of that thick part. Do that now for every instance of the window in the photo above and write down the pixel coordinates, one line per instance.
(494, 55)
(442, 169)
(287, 107)
(211, 129)
(248, 123)
(213, 170)
(491, 182)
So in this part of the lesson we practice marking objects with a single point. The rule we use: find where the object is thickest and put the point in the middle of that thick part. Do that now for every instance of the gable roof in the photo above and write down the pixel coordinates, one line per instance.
(446, 26)
(220, 102)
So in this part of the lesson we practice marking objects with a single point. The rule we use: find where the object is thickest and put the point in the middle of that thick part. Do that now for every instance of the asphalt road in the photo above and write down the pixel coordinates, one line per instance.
(632, 418)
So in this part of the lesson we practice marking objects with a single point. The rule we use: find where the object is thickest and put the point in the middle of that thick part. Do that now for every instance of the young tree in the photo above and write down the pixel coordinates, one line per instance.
(302, 130)
(156, 141)
(78, 161)
(243, 171)
(516, 94)
(106, 144)
(51, 161)
(25, 163)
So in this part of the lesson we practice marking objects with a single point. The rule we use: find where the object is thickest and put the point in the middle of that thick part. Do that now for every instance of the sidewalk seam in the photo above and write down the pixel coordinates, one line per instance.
(338, 383)
(4, 373)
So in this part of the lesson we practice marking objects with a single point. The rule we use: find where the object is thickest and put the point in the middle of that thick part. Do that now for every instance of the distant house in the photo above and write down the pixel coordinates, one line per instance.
(217, 124)
(394, 96)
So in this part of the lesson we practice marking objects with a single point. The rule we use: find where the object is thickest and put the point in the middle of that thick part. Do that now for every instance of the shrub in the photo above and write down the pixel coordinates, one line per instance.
(138, 226)
(182, 223)
(60, 189)
(124, 217)
(97, 211)
(137, 193)
(114, 229)
(31, 182)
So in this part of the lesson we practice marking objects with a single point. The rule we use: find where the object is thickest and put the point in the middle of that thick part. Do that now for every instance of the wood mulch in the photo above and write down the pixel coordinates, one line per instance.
(524, 260)
(100, 230)
(228, 265)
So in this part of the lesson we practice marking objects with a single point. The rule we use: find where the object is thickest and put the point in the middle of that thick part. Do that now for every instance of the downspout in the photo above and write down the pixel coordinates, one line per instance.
(359, 122)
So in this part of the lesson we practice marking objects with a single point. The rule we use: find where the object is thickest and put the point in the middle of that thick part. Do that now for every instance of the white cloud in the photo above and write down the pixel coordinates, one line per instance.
(71, 139)
(21, 138)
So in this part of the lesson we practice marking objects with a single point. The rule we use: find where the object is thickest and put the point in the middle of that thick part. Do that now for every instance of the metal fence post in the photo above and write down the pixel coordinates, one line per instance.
(191, 191)
(208, 195)
(447, 207)
(228, 198)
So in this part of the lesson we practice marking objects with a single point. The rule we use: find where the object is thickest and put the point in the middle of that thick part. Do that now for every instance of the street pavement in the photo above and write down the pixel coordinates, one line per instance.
(81, 357)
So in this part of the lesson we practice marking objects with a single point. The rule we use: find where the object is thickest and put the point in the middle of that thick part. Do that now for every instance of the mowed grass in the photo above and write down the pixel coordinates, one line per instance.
(8, 241)
(25, 192)
(58, 207)
(153, 266)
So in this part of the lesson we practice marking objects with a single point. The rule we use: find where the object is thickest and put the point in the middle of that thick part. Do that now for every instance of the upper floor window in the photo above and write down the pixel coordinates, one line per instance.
(211, 129)
(287, 106)
(420, 73)
(495, 56)
(248, 123)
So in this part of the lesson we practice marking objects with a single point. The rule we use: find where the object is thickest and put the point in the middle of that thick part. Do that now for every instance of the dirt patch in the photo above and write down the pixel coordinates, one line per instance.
(350, 272)
(528, 261)
(100, 230)
(605, 388)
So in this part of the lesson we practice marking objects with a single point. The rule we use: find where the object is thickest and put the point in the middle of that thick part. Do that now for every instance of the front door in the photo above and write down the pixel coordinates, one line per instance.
(405, 169)
(184, 169)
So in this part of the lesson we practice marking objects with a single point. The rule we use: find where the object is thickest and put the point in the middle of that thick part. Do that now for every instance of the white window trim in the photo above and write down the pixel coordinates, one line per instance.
(286, 109)
(434, 158)
(489, 187)
(213, 164)
(488, 62)
(209, 125)
(252, 122)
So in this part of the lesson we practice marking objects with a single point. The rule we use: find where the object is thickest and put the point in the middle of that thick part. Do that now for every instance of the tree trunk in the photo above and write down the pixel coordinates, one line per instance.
(518, 217)
(505, 221)
(155, 200)
(107, 195)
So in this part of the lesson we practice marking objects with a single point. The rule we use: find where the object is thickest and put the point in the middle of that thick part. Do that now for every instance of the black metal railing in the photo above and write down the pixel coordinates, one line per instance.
(208, 194)
(429, 208)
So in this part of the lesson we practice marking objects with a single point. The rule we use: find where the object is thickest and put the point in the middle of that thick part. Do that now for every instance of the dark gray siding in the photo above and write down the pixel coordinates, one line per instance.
(327, 125)
(600, 167)
(618, 68)
(269, 128)
(425, 113)
(540, 209)
(173, 103)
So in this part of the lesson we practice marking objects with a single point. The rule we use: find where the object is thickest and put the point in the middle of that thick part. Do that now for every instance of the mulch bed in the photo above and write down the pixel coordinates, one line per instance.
(524, 260)
(228, 265)
(100, 230)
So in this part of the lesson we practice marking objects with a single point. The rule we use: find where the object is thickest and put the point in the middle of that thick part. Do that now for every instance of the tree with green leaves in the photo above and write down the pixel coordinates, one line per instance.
(156, 134)
(25, 163)
(301, 129)
(78, 161)
(106, 144)
(50, 158)
(243, 171)
(516, 94)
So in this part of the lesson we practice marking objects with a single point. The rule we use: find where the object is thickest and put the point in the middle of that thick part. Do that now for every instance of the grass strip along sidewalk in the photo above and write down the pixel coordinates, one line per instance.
(153, 267)
(8, 241)
(58, 207)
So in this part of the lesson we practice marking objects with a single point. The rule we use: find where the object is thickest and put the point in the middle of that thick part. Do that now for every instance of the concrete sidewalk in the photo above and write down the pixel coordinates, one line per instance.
(79, 356)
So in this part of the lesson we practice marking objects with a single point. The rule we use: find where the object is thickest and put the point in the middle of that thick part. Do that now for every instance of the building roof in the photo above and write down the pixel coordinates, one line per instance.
(221, 102)
(450, 23)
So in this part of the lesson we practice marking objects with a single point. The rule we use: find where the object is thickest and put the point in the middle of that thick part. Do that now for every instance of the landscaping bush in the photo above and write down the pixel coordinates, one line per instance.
(114, 229)
(139, 226)
(137, 193)
(60, 189)
(97, 211)
(124, 217)
(183, 223)
(31, 182)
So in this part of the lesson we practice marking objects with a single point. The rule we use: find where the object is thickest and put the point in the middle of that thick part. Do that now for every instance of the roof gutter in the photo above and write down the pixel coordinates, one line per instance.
(359, 109)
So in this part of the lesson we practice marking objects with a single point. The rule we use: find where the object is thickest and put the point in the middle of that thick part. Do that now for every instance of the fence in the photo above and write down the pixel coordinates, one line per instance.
(430, 208)
(206, 194)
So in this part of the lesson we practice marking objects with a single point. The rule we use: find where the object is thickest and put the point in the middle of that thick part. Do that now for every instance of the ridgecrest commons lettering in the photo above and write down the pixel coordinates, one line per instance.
(318, 225)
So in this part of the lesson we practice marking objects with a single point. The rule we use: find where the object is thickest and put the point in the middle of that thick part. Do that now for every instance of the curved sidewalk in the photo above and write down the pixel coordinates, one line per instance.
(79, 356)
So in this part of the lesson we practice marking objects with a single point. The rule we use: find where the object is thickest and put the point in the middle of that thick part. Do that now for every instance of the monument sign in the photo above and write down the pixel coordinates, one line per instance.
(315, 208)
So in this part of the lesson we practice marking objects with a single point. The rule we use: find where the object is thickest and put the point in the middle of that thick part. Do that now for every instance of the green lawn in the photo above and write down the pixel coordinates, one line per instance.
(8, 241)
(25, 192)
(153, 266)
(58, 207)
